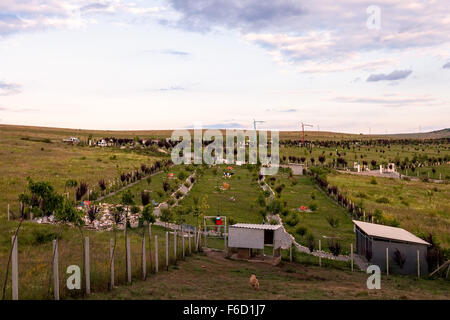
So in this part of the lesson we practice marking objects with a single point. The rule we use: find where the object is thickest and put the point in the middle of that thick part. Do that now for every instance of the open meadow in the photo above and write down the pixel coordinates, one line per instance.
(417, 205)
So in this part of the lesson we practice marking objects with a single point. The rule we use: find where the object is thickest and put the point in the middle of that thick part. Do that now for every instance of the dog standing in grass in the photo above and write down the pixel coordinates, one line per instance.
(254, 283)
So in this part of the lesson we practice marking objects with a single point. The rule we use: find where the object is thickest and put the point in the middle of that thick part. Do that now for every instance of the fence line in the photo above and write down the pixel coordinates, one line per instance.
(87, 264)
(55, 270)
(98, 264)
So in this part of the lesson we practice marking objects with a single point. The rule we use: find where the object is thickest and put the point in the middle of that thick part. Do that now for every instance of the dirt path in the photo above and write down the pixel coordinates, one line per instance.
(210, 276)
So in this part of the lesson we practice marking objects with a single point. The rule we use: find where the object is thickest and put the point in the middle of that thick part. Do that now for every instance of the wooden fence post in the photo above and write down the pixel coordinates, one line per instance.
(111, 257)
(351, 254)
(195, 239)
(167, 251)
(190, 248)
(15, 270)
(156, 255)
(87, 265)
(225, 234)
(175, 245)
(290, 252)
(128, 261)
(320, 250)
(8, 212)
(182, 243)
(55, 270)
(387, 261)
(205, 234)
(418, 264)
(144, 259)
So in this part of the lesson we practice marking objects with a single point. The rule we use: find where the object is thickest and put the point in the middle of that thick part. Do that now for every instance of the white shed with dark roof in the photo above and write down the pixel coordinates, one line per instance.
(402, 246)
(248, 238)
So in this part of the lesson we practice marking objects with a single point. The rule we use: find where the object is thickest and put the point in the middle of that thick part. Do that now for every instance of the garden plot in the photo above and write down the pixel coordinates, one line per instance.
(312, 213)
(237, 202)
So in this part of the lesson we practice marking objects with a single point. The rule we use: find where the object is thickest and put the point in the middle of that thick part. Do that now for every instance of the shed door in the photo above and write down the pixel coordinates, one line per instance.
(268, 236)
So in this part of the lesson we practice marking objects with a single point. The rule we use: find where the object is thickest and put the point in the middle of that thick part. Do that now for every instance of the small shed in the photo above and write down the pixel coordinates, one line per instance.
(248, 238)
(402, 246)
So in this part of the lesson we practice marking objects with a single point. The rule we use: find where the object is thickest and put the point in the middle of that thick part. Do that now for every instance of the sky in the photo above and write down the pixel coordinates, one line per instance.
(349, 66)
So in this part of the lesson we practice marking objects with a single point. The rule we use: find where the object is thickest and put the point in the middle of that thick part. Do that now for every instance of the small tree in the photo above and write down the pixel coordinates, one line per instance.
(301, 231)
(335, 247)
(92, 212)
(333, 221)
(311, 242)
(102, 184)
(149, 217)
(145, 198)
(81, 191)
(166, 216)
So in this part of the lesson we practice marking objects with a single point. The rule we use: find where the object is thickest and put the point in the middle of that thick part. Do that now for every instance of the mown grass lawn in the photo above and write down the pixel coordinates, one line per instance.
(419, 207)
(300, 191)
(238, 203)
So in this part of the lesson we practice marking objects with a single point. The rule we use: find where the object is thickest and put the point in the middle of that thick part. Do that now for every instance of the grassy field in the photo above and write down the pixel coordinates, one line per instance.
(382, 155)
(35, 256)
(213, 277)
(56, 162)
(40, 154)
(238, 203)
(419, 207)
(155, 187)
(300, 191)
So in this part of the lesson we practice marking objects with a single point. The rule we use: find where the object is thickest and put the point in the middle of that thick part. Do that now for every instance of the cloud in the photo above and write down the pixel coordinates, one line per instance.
(446, 66)
(225, 125)
(7, 89)
(18, 110)
(322, 33)
(394, 75)
(235, 14)
(393, 100)
(95, 7)
(176, 52)
(291, 110)
(31, 15)
(170, 52)
(172, 88)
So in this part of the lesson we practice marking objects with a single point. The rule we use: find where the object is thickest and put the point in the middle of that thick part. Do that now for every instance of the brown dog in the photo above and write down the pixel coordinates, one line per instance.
(254, 283)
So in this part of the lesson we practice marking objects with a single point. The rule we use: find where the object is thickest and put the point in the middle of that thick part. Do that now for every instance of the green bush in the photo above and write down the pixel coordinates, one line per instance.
(311, 242)
(41, 236)
(292, 219)
(301, 231)
(333, 221)
(382, 200)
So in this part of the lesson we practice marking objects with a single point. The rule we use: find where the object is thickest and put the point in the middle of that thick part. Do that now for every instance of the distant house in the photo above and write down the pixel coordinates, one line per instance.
(373, 239)
(248, 238)
(72, 140)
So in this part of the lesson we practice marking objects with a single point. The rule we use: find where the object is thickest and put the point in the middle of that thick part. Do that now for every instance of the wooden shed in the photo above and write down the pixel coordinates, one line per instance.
(248, 238)
(406, 252)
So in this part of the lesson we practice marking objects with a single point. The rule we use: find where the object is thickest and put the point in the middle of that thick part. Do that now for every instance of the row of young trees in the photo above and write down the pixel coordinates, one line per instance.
(435, 255)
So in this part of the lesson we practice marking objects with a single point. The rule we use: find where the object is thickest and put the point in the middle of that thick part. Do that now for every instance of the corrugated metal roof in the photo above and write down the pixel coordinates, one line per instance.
(256, 226)
(387, 232)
